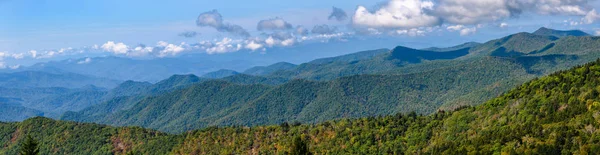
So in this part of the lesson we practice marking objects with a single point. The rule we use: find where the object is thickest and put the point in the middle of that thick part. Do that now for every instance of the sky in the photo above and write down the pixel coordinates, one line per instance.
(34, 31)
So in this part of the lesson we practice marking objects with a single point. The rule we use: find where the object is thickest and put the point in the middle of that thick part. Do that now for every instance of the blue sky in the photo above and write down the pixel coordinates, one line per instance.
(39, 29)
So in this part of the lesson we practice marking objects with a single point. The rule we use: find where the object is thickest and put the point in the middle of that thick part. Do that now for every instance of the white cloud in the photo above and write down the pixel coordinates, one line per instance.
(503, 25)
(300, 30)
(2, 65)
(116, 48)
(18, 56)
(590, 17)
(253, 46)
(3, 54)
(172, 50)
(406, 14)
(33, 53)
(468, 31)
(411, 32)
(224, 46)
(85, 61)
(273, 24)
(141, 50)
(455, 28)
(472, 11)
(397, 14)
(463, 30)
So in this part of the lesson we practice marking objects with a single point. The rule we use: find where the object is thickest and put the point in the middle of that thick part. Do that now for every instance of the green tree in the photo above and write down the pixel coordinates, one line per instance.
(29, 147)
(299, 147)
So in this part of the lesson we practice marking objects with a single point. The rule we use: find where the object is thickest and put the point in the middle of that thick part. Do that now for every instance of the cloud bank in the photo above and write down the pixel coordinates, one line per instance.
(408, 14)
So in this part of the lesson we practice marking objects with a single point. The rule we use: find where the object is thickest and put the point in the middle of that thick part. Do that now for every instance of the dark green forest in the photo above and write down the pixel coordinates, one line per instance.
(556, 114)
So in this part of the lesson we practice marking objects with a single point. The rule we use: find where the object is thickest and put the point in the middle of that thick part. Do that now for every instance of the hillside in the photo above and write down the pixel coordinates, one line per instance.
(301, 100)
(559, 33)
(58, 137)
(551, 115)
(556, 114)
(426, 82)
(220, 74)
(265, 70)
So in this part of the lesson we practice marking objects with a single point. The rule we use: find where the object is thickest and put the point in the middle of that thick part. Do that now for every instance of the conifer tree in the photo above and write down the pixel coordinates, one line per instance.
(29, 147)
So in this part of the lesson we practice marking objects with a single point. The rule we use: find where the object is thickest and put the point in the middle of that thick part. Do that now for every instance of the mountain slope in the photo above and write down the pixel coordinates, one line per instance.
(265, 70)
(556, 114)
(305, 101)
(405, 85)
(220, 74)
(558, 33)
(58, 137)
(552, 115)
(30, 79)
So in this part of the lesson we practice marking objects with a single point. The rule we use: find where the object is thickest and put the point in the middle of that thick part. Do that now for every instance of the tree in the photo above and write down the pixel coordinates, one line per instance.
(29, 147)
(299, 147)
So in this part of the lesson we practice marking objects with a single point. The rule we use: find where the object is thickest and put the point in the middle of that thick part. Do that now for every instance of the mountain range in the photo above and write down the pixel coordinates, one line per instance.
(554, 114)
(370, 83)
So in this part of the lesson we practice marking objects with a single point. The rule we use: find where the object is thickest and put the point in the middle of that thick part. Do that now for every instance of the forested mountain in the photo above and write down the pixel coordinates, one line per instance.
(559, 33)
(58, 137)
(265, 70)
(128, 69)
(397, 81)
(220, 74)
(34, 79)
(556, 114)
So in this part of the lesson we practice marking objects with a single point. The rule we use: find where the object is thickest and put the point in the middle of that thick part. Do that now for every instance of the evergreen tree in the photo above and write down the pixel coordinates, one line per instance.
(299, 147)
(29, 147)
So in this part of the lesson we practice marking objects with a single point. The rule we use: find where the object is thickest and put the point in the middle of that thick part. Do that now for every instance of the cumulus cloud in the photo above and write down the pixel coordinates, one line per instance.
(273, 24)
(280, 39)
(85, 61)
(142, 50)
(33, 53)
(503, 25)
(478, 11)
(468, 31)
(404, 14)
(171, 50)
(18, 56)
(473, 11)
(590, 17)
(224, 46)
(300, 30)
(411, 32)
(215, 20)
(253, 45)
(323, 29)
(338, 14)
(116, 48)
(463, 30)
(188, 34)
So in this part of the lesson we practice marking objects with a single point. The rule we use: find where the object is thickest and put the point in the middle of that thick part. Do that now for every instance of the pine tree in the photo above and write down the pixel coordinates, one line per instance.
(29, 147)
